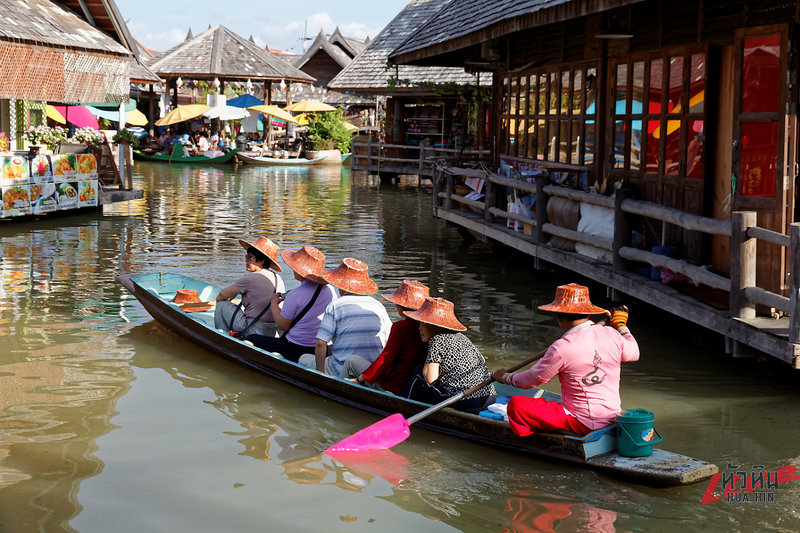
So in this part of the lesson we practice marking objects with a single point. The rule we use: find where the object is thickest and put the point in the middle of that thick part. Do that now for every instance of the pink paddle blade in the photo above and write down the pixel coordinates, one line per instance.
(381, 435)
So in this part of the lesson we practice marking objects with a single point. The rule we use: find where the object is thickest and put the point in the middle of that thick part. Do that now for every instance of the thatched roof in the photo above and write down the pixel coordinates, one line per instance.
(464, 23)
(323, 44)
(219, 52)
(368, 73)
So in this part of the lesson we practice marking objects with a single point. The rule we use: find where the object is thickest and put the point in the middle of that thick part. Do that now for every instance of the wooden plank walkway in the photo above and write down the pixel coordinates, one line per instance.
(770, 336)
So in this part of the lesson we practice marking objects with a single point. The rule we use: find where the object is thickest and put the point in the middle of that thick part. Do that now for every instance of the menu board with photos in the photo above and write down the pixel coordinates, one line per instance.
(40, 184)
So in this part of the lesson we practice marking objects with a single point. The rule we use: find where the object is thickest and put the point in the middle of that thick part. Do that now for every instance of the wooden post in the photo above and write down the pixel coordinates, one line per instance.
(437, 180)
(743, 263)
(128, 166)
(421, 161)
(489, 201)
(622, 231)
(451, 190)
(794, 283)
(369, 154)
(541, 208)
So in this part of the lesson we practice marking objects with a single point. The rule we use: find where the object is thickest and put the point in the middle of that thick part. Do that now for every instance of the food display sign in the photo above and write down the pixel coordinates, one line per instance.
(42, 184)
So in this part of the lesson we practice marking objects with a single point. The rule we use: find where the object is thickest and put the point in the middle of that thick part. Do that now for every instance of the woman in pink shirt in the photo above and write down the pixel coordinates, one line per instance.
(587, 361)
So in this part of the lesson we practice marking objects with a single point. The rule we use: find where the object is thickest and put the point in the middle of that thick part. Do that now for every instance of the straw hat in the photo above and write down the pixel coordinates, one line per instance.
(439, 312)
(268, 248)
(190, 296)
(351, 276)
(410, 294)
(572, 299)
(307, 262)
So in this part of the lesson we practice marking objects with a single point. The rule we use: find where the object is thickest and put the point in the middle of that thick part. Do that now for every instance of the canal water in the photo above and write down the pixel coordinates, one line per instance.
(108, 422)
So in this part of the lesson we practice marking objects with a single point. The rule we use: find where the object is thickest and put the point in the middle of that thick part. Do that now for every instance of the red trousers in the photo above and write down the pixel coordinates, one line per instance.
(527, 415)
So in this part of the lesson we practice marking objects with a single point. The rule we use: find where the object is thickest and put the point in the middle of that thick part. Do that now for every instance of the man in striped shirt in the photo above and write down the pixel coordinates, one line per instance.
(354, 323)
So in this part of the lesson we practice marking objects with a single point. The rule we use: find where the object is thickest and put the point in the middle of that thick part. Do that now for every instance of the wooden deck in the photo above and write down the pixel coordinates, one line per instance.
(396, 159)
(744, 332)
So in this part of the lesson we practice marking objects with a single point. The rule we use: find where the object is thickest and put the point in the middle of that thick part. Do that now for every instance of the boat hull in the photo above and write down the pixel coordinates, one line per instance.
(596, 450)
(275, 161)
(202, 160)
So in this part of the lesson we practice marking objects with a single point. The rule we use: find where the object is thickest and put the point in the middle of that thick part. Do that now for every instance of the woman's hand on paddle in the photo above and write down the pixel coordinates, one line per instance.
(499, 375)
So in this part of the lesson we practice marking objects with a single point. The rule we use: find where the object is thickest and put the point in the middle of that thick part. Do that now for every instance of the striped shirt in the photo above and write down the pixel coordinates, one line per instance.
(355, 325)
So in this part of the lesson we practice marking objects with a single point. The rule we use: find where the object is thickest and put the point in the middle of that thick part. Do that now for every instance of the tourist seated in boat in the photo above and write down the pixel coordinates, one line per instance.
(354, 323)
(165, 140)
(586, 359)
(298, 313)
(253, 316)
(404, 350)
(453, 364)
(202, 143)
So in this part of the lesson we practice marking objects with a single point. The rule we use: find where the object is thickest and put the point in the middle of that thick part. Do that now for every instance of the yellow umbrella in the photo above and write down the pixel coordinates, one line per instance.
(274, 111)
(309, 105)
(182, 113)
(53, 113)
(135, 118)
(302, 119)
(350, 127)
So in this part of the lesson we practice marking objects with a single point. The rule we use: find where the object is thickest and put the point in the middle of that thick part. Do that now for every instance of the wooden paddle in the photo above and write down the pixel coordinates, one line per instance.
(394, 429)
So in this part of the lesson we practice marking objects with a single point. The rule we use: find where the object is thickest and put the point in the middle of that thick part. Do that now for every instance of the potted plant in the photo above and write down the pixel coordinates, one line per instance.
(328, 136)
(88, 136)
(5, 144)
(126, 136)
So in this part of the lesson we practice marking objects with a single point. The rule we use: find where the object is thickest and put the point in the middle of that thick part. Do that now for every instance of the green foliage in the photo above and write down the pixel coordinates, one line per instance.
(327, 131)
(126, 135)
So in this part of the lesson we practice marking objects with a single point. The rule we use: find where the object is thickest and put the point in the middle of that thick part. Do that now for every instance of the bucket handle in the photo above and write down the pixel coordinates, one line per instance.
(648, 443)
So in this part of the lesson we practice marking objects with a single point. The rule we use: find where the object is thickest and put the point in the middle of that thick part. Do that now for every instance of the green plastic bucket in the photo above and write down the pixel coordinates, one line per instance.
(636, 434)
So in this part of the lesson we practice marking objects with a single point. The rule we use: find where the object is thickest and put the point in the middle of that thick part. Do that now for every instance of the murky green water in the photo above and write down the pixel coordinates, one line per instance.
(108, 422)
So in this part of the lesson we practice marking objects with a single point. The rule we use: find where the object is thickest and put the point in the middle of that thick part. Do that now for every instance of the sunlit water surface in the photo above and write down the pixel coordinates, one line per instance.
(108, 422)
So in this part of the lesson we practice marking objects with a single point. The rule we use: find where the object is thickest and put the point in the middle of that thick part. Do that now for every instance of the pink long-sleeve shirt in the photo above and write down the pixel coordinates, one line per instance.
(587, 361)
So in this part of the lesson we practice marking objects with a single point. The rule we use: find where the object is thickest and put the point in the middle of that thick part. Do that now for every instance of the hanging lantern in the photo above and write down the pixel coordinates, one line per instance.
(249, 86)
(178, 82)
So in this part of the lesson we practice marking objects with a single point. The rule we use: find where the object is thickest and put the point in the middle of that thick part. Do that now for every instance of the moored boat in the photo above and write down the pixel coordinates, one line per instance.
(177, 156)
(596, 450)
(277, 161)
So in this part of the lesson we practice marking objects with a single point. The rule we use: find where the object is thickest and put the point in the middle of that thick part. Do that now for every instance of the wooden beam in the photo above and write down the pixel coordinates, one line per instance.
(677, 218)
(696, 274)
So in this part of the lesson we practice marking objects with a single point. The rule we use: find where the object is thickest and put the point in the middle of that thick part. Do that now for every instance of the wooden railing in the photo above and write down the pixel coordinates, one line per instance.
(742, 230)
(367, 155)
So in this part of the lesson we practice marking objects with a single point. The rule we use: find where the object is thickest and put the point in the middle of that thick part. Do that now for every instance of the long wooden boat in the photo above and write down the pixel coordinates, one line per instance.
(596, 450)
(177, 157)
(277, 161)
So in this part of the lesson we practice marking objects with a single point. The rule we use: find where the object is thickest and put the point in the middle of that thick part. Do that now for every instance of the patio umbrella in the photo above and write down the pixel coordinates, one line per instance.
(226, 112)
(302, 119)
(78, 116)
(55, 115)
(274, 111)
(350, 127)
(135, 118)
(245, 100)
(182, 113)
(309, 105)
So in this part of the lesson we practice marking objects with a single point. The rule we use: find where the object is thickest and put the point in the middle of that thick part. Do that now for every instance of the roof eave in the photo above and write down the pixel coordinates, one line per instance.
(551, 15)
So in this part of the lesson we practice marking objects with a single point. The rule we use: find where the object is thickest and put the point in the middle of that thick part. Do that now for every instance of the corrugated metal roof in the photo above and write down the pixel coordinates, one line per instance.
(46, 23)
(368, 71)
(222, 53)
(458, 20)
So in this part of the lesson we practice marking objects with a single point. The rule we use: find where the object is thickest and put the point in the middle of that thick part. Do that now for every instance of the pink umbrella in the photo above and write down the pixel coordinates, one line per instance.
(79, 116)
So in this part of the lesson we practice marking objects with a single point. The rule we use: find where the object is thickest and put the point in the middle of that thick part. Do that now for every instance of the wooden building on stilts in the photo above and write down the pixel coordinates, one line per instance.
(670, 127)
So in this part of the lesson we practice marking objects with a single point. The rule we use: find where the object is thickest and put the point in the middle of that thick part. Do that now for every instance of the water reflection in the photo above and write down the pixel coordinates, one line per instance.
(105, 413)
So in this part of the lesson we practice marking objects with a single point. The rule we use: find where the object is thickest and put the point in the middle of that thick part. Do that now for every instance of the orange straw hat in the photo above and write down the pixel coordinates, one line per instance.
(267, 248)
(572, 299)
(410, 294)
(307, 262)
(351, 276)
(439, 312)
(190, 296)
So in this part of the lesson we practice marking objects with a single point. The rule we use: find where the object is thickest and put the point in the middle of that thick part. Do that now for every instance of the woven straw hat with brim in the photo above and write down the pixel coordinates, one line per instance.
(410, 294)
(307, 262)
(572, 299)
(267, 248)
(351, 276)
(189, 296)
(439, 312)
